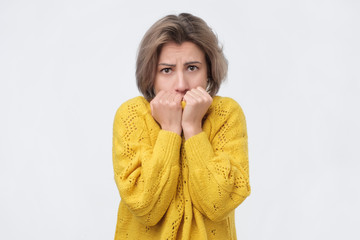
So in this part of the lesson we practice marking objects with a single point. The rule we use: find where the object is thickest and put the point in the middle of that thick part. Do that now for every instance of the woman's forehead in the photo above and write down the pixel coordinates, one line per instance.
(187, 51)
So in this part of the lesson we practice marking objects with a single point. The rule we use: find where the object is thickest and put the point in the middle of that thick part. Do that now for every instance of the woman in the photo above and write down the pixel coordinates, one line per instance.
(180, 152)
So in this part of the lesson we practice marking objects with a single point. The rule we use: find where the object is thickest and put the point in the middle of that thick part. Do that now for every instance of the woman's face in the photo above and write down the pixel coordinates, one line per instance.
(180, 68)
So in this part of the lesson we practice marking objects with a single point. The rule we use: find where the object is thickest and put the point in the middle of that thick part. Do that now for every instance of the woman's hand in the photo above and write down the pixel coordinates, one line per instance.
(166, 110)
(198, 102)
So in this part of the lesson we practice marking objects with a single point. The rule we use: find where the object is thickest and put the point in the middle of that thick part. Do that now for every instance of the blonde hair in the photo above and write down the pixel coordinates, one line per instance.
(179, 29)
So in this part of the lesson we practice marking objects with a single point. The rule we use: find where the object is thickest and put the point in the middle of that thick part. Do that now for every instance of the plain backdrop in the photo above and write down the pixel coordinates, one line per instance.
(66, 66)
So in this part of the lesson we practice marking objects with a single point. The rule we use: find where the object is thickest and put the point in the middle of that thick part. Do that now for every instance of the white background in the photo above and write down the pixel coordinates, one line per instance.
(66, 66)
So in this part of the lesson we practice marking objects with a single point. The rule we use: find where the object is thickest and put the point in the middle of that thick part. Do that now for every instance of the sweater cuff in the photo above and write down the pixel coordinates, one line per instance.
(168, 145)
(199, 150)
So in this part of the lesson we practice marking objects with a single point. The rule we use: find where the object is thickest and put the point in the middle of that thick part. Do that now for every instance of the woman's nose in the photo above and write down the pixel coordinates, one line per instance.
(181, 83)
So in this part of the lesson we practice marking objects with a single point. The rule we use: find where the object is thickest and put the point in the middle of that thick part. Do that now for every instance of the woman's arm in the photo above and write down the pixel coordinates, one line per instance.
(146, 167)
(219, 170)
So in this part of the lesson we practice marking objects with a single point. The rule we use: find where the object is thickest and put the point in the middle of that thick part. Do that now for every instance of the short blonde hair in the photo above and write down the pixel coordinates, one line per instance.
(179, 29)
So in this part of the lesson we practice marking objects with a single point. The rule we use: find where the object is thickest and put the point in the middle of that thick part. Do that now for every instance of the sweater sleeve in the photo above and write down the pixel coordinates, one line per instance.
(219, 168)
(146, 173)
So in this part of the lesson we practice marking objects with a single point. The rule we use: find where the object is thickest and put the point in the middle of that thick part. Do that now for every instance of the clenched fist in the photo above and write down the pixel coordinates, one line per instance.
(167, 111)
(198, 102)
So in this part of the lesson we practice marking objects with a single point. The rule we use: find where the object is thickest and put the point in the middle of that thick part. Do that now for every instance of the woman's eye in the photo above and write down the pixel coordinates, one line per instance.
(166, 70)
(192, 68)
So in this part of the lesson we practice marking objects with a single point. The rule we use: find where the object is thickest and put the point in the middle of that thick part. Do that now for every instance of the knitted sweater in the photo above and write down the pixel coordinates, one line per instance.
(176, 189)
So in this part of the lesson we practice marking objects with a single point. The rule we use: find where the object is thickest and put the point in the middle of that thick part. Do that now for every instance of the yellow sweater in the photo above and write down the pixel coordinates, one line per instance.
(176, 189)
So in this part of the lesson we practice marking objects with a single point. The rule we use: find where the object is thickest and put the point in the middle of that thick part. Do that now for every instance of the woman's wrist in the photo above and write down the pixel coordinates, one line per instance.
(174, 129)
(191, 130)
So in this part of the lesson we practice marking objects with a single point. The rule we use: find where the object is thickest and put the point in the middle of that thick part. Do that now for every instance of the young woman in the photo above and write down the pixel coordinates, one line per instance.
(179, 152)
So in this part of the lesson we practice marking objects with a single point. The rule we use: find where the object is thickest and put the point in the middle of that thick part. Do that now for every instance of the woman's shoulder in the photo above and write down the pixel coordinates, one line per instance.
(225, 111)
(134, 106)
(138, 101)
(224, 106)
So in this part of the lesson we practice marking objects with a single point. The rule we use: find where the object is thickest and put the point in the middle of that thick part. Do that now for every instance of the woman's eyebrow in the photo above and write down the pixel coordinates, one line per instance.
(167, 64)
(174, 65)
(192, 62)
